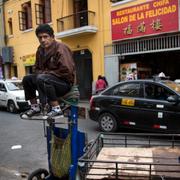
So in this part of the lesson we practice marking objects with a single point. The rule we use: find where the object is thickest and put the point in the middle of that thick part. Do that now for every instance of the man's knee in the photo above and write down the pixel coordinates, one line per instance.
(42, 78)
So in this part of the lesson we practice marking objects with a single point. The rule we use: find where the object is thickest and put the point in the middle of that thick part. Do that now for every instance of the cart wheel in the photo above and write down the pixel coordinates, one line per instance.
(107, 122)
(38, 174)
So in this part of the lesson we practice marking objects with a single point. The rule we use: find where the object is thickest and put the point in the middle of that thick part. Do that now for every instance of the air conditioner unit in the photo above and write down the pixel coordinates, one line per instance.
(7, 54)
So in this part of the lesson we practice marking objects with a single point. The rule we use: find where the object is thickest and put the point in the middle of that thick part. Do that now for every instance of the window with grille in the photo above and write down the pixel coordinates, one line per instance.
(43, 12)
(25, 17)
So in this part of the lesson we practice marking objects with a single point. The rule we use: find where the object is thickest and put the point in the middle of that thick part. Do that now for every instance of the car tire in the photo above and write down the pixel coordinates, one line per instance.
(11, 107)
(107, 122)
(38, 174)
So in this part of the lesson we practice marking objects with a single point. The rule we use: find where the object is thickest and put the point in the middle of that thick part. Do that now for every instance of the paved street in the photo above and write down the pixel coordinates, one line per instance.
(16, 164)
(28, 137)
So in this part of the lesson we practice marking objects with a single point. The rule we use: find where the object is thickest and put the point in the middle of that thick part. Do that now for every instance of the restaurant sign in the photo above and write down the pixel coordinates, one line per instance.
(154, 17)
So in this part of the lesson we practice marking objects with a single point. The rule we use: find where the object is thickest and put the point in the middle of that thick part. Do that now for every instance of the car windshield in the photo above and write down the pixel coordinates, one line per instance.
(13, 86)
(173, 85)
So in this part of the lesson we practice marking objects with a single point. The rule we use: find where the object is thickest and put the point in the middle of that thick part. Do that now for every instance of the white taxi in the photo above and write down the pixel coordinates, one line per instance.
(12, 95)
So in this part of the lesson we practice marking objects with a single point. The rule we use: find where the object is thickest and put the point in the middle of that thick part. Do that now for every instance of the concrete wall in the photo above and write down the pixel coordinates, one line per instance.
(111, 66)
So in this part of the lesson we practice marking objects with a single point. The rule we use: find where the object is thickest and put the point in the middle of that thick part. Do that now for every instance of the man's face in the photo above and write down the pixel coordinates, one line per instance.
(45, 39)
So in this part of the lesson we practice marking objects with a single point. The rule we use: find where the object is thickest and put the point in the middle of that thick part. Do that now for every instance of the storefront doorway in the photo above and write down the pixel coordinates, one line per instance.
(29, 70)
(150, 64)
(83, 61)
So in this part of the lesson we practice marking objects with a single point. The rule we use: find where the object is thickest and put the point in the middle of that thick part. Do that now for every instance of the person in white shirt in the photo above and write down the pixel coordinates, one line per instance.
(133, 75)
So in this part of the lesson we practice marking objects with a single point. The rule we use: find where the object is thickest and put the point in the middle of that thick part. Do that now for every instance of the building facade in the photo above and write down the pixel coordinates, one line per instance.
(78, 23)
(107, 37)
(146, 36)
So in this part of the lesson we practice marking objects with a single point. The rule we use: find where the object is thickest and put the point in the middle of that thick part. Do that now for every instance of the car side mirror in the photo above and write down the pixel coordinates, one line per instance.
(173, 99)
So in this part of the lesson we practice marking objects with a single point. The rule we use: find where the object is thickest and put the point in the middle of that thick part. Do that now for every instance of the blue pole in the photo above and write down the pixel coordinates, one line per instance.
(74, 142)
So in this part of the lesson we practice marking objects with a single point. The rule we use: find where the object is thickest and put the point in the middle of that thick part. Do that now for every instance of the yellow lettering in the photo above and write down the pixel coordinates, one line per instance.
(160, 3)
(174, 8)
(120, 20)
(135, 9)
(160, 11)
(140, 16)
(132, 17)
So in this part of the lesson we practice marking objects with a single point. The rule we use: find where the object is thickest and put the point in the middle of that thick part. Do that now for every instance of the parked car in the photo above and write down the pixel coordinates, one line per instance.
(12, 95)
(142, 104)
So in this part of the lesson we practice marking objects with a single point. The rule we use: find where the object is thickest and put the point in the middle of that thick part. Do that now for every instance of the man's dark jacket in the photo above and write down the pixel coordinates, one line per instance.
(57, 60)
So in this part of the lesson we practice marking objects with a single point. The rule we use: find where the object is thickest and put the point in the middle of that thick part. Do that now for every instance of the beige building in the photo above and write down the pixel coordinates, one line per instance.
(83, 25)
(97, 31)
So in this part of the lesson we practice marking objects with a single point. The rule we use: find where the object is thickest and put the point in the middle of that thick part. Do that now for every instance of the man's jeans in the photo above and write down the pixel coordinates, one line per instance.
(49, 87)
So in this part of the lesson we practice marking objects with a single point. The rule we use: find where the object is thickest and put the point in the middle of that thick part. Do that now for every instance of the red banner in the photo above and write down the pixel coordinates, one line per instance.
(154, 17)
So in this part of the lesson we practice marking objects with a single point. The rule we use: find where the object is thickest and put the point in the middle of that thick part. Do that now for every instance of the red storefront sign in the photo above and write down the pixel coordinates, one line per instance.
(154, 17)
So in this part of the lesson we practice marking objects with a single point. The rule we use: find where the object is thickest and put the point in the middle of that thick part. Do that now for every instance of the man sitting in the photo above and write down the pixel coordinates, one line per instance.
(54, 73)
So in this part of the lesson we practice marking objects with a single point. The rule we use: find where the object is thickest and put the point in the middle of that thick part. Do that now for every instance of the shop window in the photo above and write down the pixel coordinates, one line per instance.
(29, 70)
(128, 90)
(43, 12)
(25, 17)
(10, 26)
(15, 72)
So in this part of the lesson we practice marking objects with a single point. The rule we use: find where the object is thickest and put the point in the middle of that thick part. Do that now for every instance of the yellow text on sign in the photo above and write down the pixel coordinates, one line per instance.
(128, 102)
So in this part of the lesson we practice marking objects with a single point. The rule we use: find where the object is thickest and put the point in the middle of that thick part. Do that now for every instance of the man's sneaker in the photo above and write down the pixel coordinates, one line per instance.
(31, 112)
(54, 114)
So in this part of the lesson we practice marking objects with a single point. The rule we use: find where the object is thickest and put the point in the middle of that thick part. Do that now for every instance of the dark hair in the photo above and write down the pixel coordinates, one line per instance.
(99, 77)
(45, 28)
(104, 78)
(134, 69)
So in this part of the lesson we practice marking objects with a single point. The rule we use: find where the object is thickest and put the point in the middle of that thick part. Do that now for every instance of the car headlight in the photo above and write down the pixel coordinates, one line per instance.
(20, 98)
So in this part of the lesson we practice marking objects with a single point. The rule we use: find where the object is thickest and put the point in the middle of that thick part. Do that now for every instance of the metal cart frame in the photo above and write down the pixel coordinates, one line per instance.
(77, 145)
(89, 160)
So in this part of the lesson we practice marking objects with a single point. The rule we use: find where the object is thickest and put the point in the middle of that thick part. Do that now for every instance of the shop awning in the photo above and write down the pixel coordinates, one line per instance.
(153, 44)
(29, 60)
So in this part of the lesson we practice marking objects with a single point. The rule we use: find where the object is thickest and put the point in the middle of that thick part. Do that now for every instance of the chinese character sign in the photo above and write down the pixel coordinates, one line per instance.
(154, 17)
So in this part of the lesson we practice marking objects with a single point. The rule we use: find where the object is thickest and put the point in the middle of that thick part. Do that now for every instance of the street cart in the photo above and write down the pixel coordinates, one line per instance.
(132, 156)
(64, 145)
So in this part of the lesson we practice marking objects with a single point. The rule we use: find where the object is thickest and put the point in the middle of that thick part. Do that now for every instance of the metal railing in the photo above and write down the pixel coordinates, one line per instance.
(148, 45)
(92, 167)
(80, 19)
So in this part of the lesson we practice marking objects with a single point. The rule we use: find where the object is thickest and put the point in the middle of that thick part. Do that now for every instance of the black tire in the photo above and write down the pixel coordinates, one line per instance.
(38, 174)
(11, 107)
(107, 122)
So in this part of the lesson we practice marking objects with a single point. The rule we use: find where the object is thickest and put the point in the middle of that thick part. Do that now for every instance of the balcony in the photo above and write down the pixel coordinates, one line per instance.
(76, 24)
